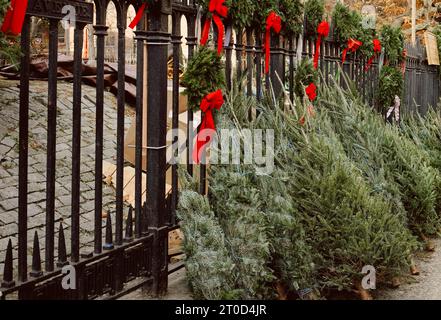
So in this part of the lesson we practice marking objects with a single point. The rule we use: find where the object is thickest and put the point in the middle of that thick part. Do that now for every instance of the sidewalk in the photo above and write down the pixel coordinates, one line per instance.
(426, 286)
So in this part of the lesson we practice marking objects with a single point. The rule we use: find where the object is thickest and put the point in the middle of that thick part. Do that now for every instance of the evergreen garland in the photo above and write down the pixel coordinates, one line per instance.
(366, 36)
(390, 83)
(347, 23)
(305, 75)
(241, 12)
(392, 40)
(204, 75)
(262, 11)
(291, 12)
(314, 12)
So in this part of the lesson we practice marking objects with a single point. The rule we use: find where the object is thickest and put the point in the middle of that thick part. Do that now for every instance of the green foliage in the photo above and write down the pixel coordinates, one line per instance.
(238, 206)
(305, 75)
(292, 255)
(394, 166)
(366, 36)
(425, 132)
(392, 40)
(390, 83)
(344, 192)
(208, 263)
(437, 32)
(349, 227)
(291, 12)
(204, 75)
(241, 12)
(314, 11)
(9, 46)
(347, 23)
(262, 11)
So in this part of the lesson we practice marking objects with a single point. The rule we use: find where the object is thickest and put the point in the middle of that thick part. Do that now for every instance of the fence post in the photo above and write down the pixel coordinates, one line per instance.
(158, 38)
(277, 69)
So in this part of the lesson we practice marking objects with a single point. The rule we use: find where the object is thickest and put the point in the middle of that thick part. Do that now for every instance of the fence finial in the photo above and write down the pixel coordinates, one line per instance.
(8, 280)
(36, 258)
(109, 235)
(129, 226)
(62, 256)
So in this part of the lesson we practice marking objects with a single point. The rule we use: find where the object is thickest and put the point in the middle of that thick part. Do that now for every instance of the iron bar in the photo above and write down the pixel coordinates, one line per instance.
(76, 144)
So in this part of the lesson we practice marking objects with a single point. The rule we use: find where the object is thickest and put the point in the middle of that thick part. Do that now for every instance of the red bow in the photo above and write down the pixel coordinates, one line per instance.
(272, 22)
(138, 16)
(14, 17)
(218, 10)
(212, 101)
(353, 46)
(323, 32)
(377, 49)
(311, 91)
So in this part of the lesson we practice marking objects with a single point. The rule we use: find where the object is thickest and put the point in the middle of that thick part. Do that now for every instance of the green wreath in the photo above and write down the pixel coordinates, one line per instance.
(204, 75)
(347, 23)
(291, 12)
(305, 75)
(314, 12)
(392, 40)
(241, 12)
(390, 84)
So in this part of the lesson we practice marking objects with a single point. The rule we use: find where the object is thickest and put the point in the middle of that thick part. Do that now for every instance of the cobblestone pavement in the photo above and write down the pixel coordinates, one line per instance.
(9, 115)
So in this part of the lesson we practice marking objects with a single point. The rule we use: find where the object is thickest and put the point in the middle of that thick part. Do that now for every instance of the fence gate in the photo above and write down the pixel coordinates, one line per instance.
(130, 249)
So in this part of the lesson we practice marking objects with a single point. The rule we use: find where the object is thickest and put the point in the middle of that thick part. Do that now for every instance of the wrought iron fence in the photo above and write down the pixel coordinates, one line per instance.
(138, 257)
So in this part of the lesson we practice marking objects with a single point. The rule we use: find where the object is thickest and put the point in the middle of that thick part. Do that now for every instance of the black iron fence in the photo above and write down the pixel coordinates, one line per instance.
(134, 252)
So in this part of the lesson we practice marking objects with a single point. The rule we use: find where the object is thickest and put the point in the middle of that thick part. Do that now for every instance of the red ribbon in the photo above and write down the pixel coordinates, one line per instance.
(273, 22)
(218, 10)
(377, 49)
(138, 16)
(352, 46)
(212, 101)
(14, 17)
(323, 32)
(311, 91)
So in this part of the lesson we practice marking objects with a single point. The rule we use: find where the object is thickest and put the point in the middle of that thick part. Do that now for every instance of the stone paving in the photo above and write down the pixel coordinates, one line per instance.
(9, 115)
